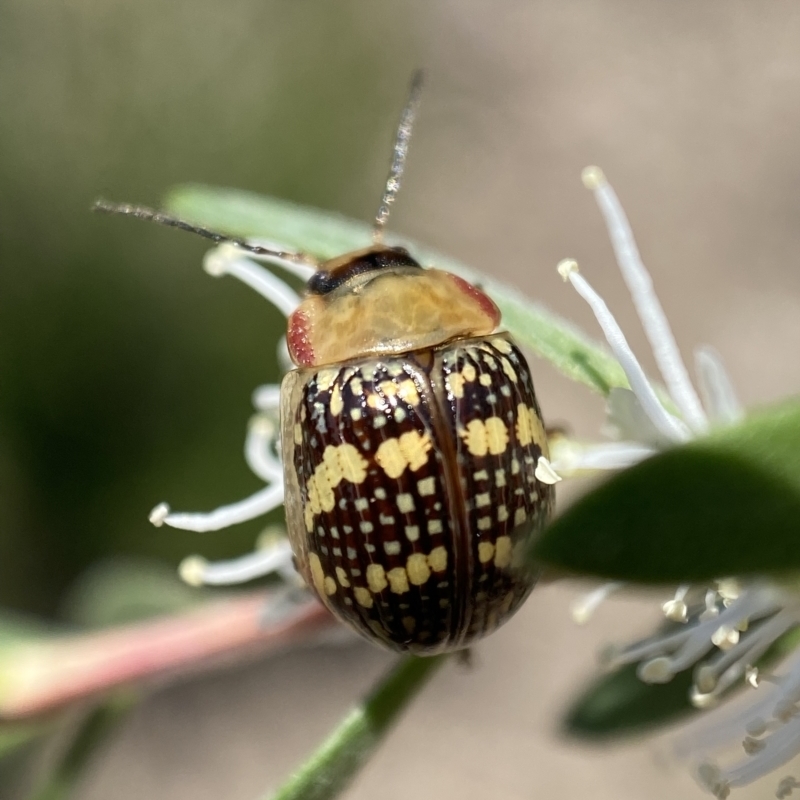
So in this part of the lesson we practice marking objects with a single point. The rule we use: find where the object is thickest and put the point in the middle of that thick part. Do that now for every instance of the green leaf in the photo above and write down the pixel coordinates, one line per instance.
(325, 235)
(619, 704)
(725, 504)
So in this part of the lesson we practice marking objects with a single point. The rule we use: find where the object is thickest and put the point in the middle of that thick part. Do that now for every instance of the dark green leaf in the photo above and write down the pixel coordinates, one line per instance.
(619, 704)
(326, 235)
(726, 504)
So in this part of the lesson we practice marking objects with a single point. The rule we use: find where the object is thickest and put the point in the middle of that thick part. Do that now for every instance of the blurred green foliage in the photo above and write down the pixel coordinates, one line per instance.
(125, 371)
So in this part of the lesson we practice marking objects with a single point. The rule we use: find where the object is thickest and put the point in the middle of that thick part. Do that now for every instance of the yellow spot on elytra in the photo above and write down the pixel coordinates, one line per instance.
(376, 578)
(405, 503)
(496, 435)
(412, 532)
(500, 478)
(468, 372)
(529, 427)
(410, 450)
(338, 463)
(375, 401)
(398, 580)
(325, 379)
(418, 569)
(409, 623)
(486, 436)
(435, 526)
(342, 576)
(508, 369)
(485, 379)
(482, 500)
(437, 559)
(455, 384)
(363, 597)
(298, 434)
(507, 601)
(356, 387)
(330, 585)
(392, 547)
(502, 345)
(407, 390)
(337, 404)
(308, 517)
(484, 523)
(355, 414)
(502, 513)
(354, 466)
(502, 555)
(317, 573)
(514, 466)
(426, 487)
(483, 475)
(485, 552)
(520, 515)
(415, 448)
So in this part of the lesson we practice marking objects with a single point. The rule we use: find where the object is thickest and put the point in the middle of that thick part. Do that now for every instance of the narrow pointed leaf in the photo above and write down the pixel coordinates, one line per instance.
(619, 704)
(326, 235)
(725, 504)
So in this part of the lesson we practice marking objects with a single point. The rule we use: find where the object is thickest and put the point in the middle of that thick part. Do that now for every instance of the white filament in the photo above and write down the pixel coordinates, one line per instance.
(275, 558)
(229, 261)
(648, 307)
(251, 507)
(719, 396)
(668, 425)
(259, 449)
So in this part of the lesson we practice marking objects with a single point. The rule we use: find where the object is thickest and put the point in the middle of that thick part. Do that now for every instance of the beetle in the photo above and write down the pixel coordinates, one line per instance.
(410, 440)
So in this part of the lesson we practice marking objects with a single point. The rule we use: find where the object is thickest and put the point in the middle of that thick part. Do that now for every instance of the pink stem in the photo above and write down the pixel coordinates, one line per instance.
(38, 676)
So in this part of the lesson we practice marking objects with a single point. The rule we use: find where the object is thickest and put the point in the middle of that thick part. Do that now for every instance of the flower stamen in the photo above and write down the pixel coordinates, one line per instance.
(276, 556)
(649, 309)
(666, 423)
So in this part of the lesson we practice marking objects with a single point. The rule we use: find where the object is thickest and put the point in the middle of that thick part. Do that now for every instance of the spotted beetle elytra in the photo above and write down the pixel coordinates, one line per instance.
(410, 439)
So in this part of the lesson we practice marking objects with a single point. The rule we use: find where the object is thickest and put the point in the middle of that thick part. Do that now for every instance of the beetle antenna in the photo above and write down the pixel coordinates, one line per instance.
(149, 214)
(398, 155)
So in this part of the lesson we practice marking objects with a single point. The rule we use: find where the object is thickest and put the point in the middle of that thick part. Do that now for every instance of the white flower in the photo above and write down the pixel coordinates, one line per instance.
(272, 553)
(725, 628)
(728, 626)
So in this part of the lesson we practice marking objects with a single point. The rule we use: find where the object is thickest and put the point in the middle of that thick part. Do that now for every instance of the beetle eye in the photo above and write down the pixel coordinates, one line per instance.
(326, 280)
(322, 282)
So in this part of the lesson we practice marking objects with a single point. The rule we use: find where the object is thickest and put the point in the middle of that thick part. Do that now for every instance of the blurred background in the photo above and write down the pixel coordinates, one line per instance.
(126, 372)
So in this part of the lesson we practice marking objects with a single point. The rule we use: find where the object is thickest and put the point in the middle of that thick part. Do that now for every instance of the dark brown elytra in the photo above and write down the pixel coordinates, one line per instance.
(416, 476)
